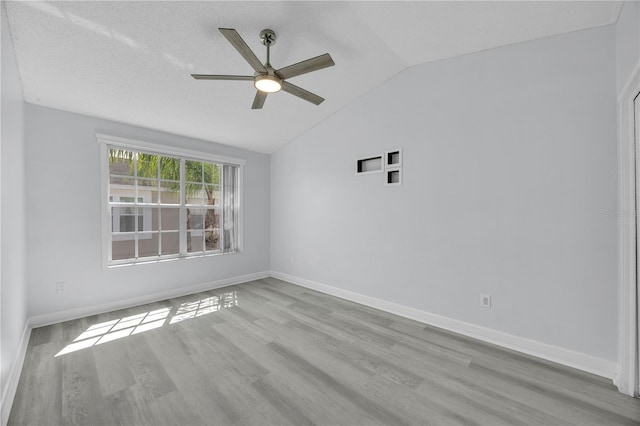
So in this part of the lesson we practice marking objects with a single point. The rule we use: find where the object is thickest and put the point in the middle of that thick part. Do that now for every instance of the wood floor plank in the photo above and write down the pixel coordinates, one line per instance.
(597, 397)
(82, 399)
(125, 410)
(300, 391)
(112, 367)
(40, 388)
(268, 352)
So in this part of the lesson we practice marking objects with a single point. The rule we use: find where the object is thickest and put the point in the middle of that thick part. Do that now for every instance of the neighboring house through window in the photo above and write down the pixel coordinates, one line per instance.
(123, 219)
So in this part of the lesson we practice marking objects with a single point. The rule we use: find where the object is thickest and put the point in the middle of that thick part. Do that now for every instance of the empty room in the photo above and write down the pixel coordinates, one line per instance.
(319, 212)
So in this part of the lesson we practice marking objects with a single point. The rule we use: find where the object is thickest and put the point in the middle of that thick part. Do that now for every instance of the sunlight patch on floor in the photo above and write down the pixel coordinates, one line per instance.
(109, 331)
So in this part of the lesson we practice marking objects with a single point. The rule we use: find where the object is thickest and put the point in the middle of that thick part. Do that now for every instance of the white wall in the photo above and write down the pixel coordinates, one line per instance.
(12, 224)
(627, 42)
(64, 232)
(627, 68)
(509, 170)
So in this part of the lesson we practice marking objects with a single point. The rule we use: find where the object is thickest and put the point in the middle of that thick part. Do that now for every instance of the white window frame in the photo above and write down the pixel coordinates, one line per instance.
(105, 141)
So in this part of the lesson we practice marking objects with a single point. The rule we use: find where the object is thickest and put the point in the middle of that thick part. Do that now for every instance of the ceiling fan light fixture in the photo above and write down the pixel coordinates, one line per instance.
(267, 79)
(268, 83)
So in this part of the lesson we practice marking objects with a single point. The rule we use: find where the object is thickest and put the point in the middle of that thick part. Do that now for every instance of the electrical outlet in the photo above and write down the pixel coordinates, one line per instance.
(60, 287)
(485, 300)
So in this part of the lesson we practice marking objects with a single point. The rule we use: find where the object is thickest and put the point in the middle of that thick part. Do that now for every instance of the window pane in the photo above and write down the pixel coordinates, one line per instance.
(196, 194)
(170, 243)
(148, 244)
(170, 168)
(148, 219)
(122, 195)
(195, 219)
(147, 183)
(147, 165)
(148, 190)
(170, 220)
(169, 192)
(123, 219)
(123, 249)
(212, 193)
(195, 241)
(193, 171)
(211, 173)
(121, 162)
(211, 239)
(127, 223)
(118, 181)
(211, 219)
(151, 218)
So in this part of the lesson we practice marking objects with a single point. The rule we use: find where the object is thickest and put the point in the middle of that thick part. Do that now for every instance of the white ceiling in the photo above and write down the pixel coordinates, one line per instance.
(130, 61)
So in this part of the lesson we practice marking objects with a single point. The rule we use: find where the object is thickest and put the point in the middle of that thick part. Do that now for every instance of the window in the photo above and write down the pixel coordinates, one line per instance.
(164, 205)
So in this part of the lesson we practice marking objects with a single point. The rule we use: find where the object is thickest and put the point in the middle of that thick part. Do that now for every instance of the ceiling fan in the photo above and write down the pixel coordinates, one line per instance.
(267, 79)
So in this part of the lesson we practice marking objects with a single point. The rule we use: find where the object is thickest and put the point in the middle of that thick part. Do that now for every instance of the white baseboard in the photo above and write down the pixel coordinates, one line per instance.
(71, 314)
(578, 360)
(9, 391)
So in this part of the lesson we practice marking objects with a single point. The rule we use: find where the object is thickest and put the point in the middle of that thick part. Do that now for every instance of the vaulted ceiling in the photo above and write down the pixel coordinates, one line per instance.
(130, 61)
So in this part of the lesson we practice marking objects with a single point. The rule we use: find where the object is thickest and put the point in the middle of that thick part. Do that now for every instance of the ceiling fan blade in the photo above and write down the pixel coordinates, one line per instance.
(221, 77)
(313, 64)
(258, 101)
(242, 48)
(301, 93)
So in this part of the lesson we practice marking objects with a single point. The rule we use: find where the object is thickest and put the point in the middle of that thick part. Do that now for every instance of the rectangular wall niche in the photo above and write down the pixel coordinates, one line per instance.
(394, 177)
(369, 165)
(394, 159)
(393, 167)
(390, 162)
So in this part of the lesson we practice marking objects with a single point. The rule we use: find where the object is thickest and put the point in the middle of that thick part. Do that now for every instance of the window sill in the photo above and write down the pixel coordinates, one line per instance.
(149, 261)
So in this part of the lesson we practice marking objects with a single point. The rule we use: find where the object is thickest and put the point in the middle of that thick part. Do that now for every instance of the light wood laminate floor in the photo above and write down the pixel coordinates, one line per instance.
(269, 352)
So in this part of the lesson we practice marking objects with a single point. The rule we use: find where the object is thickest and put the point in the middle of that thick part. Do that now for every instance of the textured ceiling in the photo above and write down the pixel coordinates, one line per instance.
(130, 61)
